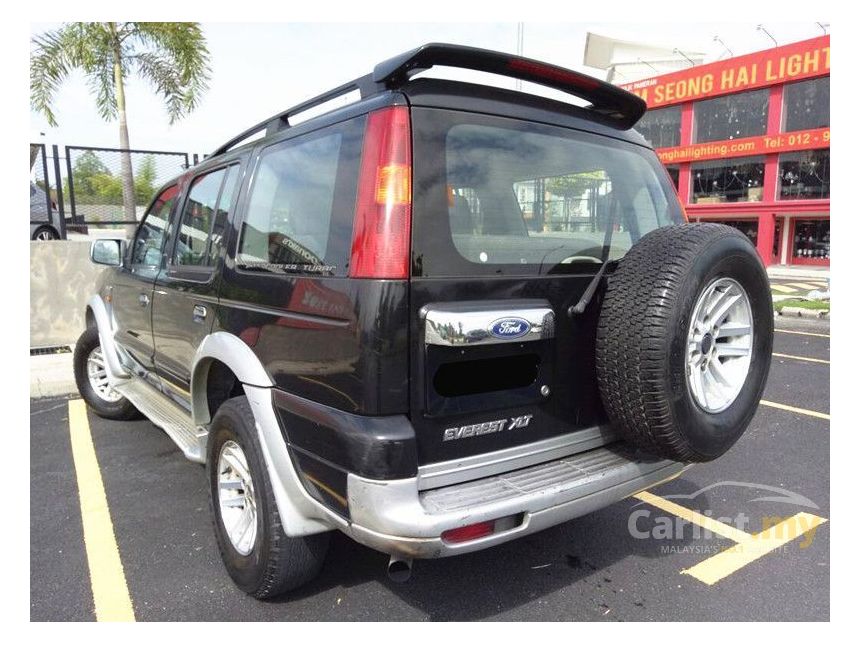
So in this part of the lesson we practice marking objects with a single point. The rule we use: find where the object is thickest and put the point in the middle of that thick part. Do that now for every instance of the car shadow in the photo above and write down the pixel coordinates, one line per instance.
(484, 584)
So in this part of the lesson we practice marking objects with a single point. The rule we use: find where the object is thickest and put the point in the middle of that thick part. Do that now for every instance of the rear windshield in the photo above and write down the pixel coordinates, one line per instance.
(520, 198)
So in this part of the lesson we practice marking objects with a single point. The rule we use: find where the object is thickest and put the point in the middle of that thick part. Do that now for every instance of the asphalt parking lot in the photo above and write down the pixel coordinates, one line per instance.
(642, 559)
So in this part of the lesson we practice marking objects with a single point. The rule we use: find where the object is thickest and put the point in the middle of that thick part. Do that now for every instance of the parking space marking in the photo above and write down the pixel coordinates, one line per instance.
(801, 333)
(107, 578)
(707, 523)
(749, 550)
(791, 408)
(802, 358)
(781, 288)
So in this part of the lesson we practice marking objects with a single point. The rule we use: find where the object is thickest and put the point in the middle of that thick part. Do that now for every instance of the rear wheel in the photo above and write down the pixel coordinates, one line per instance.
(45, 234)
(684, 340)
(259, 556)
(92, 381)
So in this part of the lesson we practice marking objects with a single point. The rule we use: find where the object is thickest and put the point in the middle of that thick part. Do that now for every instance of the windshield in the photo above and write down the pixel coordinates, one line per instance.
(523, 198)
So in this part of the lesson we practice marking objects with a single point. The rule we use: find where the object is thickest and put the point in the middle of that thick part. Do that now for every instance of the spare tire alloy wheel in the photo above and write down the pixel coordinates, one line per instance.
(719, 345)
(684, 341)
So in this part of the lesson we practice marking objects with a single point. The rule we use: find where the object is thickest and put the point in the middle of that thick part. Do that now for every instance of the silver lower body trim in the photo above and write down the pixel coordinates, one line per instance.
(394, 517)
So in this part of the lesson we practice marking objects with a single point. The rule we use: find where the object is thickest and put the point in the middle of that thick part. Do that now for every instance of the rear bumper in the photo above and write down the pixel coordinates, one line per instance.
(395, 517)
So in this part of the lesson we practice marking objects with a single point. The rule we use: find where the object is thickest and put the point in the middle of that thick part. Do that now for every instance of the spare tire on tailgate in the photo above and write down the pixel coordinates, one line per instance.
(684, 340)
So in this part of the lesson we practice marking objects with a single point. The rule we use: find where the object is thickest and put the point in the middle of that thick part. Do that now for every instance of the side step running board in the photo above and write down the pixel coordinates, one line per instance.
(168, 416)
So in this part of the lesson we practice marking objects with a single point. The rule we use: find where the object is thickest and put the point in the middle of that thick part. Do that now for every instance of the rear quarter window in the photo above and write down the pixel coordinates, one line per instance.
(299, 211)
(507, 197)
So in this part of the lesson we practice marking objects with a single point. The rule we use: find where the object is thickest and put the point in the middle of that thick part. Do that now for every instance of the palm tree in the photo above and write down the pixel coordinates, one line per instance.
(172, 56)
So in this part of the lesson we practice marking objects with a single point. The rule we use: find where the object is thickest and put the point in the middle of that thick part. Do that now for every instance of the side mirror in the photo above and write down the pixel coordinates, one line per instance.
(109, 252)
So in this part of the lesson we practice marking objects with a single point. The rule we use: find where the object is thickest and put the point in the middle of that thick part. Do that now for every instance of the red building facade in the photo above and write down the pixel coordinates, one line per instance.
(747, 143)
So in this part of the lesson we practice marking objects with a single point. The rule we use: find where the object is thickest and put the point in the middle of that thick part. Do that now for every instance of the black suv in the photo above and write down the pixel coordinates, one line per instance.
(438, 318)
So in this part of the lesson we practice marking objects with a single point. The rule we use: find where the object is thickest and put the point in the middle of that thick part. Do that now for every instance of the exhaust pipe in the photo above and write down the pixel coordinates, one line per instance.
(399, 569)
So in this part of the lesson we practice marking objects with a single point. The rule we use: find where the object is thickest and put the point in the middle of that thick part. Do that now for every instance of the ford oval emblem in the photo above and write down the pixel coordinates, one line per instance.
(510, 328)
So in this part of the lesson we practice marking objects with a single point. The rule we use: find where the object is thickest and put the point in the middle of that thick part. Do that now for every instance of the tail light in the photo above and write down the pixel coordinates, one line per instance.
(383, 212)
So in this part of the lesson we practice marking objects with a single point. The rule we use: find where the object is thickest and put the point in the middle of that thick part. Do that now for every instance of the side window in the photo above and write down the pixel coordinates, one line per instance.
(225, 203)
(197, 216)
(146, 249)
(290, 207)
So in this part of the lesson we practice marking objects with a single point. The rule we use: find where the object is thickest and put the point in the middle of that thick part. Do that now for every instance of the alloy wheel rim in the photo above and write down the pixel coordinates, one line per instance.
(236, 498)
(719, 345)
(97, 375)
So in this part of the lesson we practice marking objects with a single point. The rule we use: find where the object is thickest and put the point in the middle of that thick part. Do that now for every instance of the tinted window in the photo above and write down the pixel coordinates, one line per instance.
(197, 216)
(807, 104)
(291, 203)
(146, 249)
(731, 117)
(804, 175)
(737, 180)
(525, 199)
(222, 212)
(661, 128)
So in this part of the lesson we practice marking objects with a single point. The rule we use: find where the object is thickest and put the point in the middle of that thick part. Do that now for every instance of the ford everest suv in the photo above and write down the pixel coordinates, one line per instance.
(439, 318)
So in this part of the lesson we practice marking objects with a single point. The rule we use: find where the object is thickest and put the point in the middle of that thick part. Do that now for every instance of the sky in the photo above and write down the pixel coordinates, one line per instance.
(259, 70)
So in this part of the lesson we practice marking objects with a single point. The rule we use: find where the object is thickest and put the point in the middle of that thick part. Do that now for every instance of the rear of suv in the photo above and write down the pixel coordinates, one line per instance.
(437, 319)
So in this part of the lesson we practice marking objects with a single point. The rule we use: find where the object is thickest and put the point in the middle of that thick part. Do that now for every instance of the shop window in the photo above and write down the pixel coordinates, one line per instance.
(806, 105)
(662, 127)
(731, 117)
(747, 227)
(674, 174)
(804, 175)
(811, 240)
(737, 180)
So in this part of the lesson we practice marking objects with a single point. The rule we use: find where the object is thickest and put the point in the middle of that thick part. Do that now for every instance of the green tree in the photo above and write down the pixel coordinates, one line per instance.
(172, 56)
(144, 180)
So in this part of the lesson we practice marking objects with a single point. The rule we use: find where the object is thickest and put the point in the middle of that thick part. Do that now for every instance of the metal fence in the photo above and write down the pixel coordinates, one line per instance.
(44, 215)
(76, 188)
(110, 187)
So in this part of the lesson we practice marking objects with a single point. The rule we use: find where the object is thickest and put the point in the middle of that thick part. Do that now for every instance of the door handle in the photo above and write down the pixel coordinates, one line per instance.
(199, 314)
(143, 299)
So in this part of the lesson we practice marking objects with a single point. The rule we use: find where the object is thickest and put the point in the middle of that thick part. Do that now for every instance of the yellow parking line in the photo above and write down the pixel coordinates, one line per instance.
(791, 408)
(802, 333)
(781, 288)
(110, 592)
(755, 546)
(803, 285)
(708, 523)
(802, 358)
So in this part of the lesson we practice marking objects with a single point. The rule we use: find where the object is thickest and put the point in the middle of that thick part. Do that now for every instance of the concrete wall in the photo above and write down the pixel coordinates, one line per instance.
(62, 279)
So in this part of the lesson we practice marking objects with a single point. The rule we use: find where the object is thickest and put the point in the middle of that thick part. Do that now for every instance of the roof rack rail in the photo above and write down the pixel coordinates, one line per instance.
(281, 121)
(615, 106)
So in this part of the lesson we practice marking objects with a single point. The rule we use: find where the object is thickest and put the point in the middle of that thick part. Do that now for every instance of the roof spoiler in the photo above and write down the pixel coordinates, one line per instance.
(615, 107)
(620, 108)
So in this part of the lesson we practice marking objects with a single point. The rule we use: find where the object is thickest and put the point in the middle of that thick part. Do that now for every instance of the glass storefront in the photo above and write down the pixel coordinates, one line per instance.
(748, 227)
(811, 243)
(661, 127)
(734, 116)
(806, 105)
(804, 175)
(734, 180)
(674, 174)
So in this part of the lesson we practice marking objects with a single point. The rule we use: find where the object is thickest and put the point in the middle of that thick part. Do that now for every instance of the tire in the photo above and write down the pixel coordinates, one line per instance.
(273, 563)
(46, 234)
(646, 362)
(87, 347)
